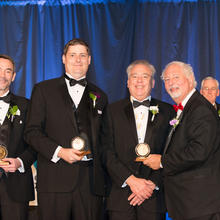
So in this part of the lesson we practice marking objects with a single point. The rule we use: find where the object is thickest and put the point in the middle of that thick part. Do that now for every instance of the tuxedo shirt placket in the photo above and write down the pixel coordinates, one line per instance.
(141, 117)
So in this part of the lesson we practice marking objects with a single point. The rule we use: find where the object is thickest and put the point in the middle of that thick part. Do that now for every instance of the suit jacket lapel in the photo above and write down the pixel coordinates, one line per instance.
(184, 112)
(13, 126)
(149, 128)
(93, 115)
(171, 134)
(68, 102)
(129, 112)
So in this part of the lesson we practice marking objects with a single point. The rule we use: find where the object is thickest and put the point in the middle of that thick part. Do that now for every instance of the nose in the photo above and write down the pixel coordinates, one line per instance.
(139, 79)
(78, 58)
(209, 91)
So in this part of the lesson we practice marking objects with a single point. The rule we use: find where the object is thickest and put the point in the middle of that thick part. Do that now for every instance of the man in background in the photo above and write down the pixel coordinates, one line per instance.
(210, 90)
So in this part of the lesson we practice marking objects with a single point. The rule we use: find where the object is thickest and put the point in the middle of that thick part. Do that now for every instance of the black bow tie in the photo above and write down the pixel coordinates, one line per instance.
(6, 98)
(73, 82)
(145, 103)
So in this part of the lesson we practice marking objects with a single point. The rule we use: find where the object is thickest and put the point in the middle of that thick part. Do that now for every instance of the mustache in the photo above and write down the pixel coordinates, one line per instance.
(3, 79)
(173, 87)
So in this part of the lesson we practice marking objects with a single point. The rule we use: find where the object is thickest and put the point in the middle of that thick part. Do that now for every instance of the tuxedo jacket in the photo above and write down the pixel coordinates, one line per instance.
(51, 123)
(191, 162)
(218, 108)
(121, 157)
(20, 185)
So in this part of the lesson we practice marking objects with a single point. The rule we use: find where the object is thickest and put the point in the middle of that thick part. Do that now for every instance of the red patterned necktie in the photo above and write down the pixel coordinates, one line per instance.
(176, 107)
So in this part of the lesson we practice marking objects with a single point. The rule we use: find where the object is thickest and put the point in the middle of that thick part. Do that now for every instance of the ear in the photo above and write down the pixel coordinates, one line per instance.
(64, 59)
(89, 60)
(13, 77)
(218, 93)
(153, 83)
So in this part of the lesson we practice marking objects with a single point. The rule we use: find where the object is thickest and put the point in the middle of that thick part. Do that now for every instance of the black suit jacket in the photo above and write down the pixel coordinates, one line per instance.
(51, 122)
(121, 158)
(20, 185)
(191, 162)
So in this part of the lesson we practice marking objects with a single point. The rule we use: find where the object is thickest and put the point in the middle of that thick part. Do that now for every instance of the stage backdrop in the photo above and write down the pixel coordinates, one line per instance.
(118, 32)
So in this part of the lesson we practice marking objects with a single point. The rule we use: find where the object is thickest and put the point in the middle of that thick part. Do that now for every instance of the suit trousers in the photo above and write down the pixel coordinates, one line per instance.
(79, 204)
(10, 209)
(136, 213)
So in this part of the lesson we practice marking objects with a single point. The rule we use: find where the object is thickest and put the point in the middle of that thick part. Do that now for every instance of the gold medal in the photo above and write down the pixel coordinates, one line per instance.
(142, 150)
(3, 152)
(78, 143)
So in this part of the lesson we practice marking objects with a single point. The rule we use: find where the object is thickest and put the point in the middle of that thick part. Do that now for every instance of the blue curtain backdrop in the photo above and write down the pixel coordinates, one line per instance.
(118, 32)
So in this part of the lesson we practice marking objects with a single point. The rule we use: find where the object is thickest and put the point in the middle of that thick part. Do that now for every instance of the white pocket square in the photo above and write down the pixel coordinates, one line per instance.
(99, 112)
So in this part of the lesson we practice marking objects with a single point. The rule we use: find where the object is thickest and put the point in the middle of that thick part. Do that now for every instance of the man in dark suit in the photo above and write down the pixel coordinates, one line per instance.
(210, 90)
(70, 184)
(137, 191)
(191, 156)
(16, 182)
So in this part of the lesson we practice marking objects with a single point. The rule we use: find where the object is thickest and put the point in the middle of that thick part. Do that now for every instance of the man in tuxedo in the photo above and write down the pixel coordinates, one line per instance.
(139, 120)
(190, 160)
(16, 182)
(210, 90)
(65, 114)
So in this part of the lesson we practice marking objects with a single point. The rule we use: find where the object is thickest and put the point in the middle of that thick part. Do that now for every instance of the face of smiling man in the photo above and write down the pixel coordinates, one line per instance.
(210, 90)
(140, 81)
(76, 61)
(7, 75)
(177, 83)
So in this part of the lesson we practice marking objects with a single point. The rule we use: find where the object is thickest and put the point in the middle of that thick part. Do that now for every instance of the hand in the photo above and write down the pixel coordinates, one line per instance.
(140, 187)
(153, 161)
(13, 165)
(134, 200)
(70, 155)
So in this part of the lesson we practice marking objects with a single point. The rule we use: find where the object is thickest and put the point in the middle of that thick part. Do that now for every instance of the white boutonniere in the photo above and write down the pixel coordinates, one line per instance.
(12, 112)
(174, 122)
(94, 97)
(154, 110)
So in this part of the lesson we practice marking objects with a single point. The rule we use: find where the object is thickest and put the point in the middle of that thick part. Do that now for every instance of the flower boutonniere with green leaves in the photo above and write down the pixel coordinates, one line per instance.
(174, 122)
(12, 112)
(154, 110)
(94, 96)
(219, 112)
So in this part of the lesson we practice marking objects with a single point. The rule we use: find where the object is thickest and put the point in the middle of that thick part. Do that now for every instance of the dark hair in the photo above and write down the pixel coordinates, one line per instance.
(76, 41)
(8, 58)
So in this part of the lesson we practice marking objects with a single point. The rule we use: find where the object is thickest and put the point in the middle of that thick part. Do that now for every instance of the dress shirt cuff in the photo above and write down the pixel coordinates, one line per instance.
(55, 157)
(161, 165)
(124, 185)
(21, 168)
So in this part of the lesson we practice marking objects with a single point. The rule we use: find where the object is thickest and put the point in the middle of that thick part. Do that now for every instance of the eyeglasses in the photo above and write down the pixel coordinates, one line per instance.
(211, 89)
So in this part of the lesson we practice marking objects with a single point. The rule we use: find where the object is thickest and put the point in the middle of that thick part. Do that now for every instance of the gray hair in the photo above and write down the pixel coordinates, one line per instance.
(210, 78)
(187, 70)
(143, 62)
